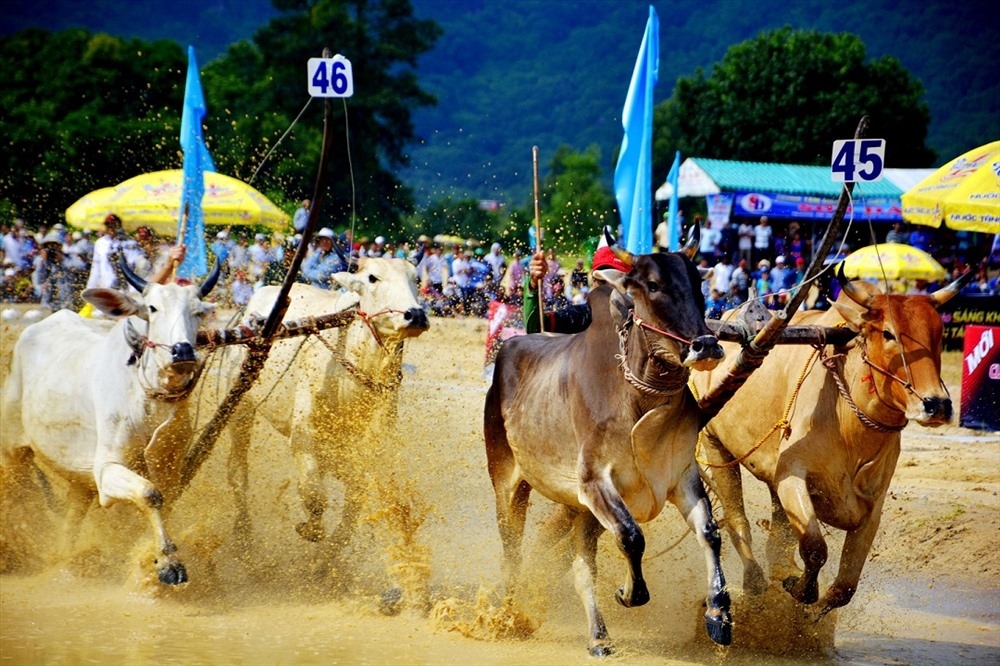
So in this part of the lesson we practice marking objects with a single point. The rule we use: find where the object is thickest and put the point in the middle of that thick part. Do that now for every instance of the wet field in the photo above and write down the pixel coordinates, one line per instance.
(929, 594)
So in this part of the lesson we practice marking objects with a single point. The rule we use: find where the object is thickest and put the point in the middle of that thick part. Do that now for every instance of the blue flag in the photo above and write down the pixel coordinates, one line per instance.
(673, 230)
(197, 161)
(634, 171)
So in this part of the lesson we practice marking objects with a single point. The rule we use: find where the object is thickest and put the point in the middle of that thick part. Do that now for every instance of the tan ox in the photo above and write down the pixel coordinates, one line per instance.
(833, 461)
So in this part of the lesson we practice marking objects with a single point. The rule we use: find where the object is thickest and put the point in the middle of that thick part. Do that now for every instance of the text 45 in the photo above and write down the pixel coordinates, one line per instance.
(858, 159)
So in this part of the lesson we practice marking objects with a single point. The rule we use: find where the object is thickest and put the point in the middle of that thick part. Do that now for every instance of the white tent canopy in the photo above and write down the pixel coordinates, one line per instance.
(692, 181)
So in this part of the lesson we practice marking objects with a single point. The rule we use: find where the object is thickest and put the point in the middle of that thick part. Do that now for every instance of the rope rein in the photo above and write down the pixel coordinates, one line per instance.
(783, 424)
(352, 369)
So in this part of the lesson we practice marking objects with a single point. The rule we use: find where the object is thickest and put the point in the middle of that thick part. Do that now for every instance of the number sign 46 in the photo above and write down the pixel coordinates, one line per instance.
(858, 160)
(330, 77)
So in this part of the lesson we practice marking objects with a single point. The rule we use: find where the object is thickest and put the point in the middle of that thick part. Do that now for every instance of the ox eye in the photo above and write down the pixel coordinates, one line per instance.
(652, 287)
(152, 308)
(372, 279)
(887, 334)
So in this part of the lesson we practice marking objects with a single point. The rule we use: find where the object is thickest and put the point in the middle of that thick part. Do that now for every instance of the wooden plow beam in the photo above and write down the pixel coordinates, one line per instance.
(260, 346)
(770, 333)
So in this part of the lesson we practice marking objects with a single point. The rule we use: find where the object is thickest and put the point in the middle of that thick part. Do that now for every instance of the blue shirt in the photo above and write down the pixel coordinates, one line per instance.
(319, 266)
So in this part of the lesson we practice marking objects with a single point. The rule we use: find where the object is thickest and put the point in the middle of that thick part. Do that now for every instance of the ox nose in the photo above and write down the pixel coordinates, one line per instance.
(707, 346)
(182, 352)
(938, 407)
(416, 318)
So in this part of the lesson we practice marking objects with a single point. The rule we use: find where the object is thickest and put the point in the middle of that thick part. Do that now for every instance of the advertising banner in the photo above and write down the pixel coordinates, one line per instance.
(795, 206)
(719, 208)
(981, 378)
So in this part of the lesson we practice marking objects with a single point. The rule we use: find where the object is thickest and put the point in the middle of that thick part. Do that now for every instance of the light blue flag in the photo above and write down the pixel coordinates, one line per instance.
(197, 161)
(673, 230)
(634, 172)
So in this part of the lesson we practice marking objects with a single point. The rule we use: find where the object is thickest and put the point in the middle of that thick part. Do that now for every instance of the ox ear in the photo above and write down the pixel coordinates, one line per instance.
(613, 277)
(114, 303)
(706, 273)
(852, 314)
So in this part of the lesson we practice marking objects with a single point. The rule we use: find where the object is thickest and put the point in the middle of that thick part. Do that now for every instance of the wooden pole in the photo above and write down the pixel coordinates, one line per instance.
(752, 355)
(538, 238)
(259, 348)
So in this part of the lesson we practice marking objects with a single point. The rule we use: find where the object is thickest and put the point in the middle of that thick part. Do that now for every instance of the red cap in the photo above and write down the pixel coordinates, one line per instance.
(605, 258)
(799, 261)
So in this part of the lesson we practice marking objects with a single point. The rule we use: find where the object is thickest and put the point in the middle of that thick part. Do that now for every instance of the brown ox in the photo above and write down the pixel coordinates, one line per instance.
(833, 459)
(602, 423)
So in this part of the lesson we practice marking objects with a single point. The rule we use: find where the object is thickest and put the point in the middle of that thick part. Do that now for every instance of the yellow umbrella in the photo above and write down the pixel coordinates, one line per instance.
(153, 200)
(897, 260)
(965, 193)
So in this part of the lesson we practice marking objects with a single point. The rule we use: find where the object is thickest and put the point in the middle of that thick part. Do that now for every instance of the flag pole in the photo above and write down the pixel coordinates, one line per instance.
(180, 237)
(538, 237)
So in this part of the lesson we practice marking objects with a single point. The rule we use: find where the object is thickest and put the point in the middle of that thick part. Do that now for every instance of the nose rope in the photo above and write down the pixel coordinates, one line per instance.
(365, 317)
(139, 344)
(649, 327)
(907, 385)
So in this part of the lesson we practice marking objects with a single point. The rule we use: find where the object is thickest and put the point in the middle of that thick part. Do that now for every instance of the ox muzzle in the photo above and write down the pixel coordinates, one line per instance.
(936, 411)
(416, 319)
(705, 353)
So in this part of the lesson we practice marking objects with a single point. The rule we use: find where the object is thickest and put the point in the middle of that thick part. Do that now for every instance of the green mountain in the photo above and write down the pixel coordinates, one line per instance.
(510, 75)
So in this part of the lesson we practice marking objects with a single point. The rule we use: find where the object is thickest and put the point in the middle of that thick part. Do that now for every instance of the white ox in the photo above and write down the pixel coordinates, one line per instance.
(103, 404)
(332, 393)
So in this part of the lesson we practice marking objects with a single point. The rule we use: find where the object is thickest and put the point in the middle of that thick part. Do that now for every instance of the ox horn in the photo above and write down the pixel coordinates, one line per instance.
(349, 264)
(621, 253)
(137, 282)
(942, 296)
(209, 284)
(694, 237)
(861, 298)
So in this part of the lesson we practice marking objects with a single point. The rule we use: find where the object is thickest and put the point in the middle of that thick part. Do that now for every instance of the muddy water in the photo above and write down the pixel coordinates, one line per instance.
(428, 529)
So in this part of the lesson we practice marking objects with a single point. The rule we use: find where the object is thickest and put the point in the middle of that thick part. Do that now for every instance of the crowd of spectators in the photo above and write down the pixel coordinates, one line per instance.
(51, 266)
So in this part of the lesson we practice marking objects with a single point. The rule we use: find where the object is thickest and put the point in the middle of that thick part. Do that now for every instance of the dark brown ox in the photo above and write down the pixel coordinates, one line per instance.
(602, 422)
(832, 457)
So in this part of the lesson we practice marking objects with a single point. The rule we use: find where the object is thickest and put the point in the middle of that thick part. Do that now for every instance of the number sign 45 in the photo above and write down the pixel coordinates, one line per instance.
(858, 159)
(330, 77)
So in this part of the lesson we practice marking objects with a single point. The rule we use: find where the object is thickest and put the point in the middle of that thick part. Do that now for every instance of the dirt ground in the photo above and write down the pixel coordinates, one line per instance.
(929, 593)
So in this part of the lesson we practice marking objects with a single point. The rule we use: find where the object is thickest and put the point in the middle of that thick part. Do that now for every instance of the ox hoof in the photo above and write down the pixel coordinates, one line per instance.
(807, 596)
(754, 581)
(311, 531)
(173, 574)
(639, 596)
(600, 650)
(719, 629)
(391, 602)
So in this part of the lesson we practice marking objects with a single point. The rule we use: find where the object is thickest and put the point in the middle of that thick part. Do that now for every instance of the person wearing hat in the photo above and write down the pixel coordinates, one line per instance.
(50, 276)
(572, 318)
(320, 266)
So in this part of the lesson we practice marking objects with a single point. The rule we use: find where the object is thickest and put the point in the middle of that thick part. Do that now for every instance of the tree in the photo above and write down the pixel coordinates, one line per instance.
(83, 111)
(786, 96)
(266, 82)
(575, 205)
(456, 217)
